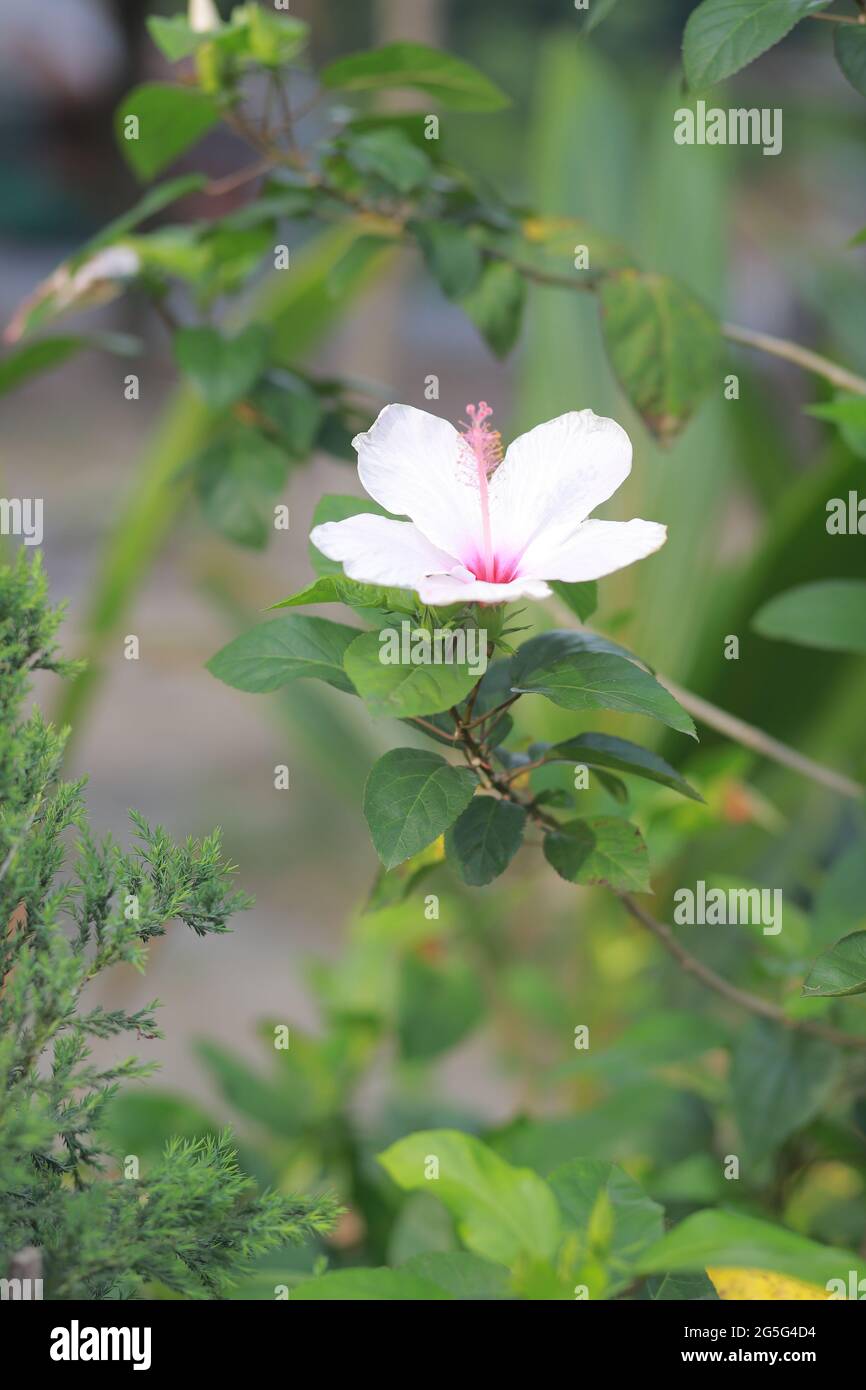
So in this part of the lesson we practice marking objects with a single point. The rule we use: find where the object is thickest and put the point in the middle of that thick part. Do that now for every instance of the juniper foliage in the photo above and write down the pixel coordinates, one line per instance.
(71, 907)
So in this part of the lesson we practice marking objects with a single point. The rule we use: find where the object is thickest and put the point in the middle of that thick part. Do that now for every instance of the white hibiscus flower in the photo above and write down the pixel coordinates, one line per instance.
(483, 528)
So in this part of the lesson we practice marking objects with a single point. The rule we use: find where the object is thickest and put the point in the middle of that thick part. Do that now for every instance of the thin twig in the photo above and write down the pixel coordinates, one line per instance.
(753, 1003)
(834, 18)
(217, 187)
(750, 737)
(793, 352)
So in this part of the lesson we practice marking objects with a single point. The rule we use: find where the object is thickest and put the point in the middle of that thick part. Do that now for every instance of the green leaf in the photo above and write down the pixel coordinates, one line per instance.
(391, 688)
(779, 1080)
(727, 1240)
(598, 11)
(841, 970)
(454, 83)
(723, 36)
(272, 39)
(147, 206)
(465, 1276)
(840, 902)
(295, 412)
(830, 614)
(391, 156)
(581, 1186)
(663, 346)
(618, 754)
(411, 798)
(440, 1003)
(236, 480)
(483, 842)
(501, 1212)
(221, 369)
(605, 849)
(453, 258)
(274, 653)
(334, 588)
(581, 671)
(337, 507)
(170, 120)
(495, 306)
(849, 42)
(581, 598)
(44, 354)
(173, 36)
(369, 1286)
(849, 413)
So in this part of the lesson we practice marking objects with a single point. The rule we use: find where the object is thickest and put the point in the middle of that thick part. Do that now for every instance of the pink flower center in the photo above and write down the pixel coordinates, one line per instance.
(483, 452)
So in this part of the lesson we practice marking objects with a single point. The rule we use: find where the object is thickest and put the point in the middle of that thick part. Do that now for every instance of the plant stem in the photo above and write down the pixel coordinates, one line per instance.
(793, 352)
(834, 18)
(753, 1003)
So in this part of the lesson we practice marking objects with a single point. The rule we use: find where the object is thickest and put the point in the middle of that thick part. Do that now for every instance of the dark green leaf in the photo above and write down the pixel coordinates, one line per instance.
(284, 649)
(597, 12)
(618, 754)
(411, 798)
(170, 120)
(454, 83)
(483, 842)
(391, 156)
(634, 1222)
(723, 36)
(392, 688)
(663, 345)
(779, 1081)
(453, 258)
(221, 369)
(495, 306)
(840, 902)
(604, 849)
(439, 1004)
(580, 676)
(841, 970)
(830, 614)
(465, 1276)
(237, 479)
(334, 588)
(294, 410)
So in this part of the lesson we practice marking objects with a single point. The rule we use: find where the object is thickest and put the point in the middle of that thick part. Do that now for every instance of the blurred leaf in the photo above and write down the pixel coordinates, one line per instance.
(439, 1004)
(453, 258)
(463, 1275)
(495, 306)
(411, 797)
(750, 1285)
(723, 36)
(254, 1096)
(849, 42)
(830, 615)
(840, 902)
(582, 599)
(221, 369)
(482, 843)
(273, 40)
(663, 345)
(841, 970)
(143, 1122)
(369, 1286)
(501, 1212)
(170, 120)
(726, 1239)
(283, 650)
(237, 479)
(636, 1221)
(779, 1081)
(173, 36)
(618, 754)
(597, 12)
(605, 849)
(295, 411)
(849, 413)
(579, 672)
(44, 354)
(391, 156)
(656, 1040)
(405, 690)
(147, 206)
(452, 82)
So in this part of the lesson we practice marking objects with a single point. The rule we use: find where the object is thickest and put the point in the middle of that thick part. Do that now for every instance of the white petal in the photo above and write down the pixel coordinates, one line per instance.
(600, 547)
(441, 590)
(552, 478)
(377, 550)
(409, 463)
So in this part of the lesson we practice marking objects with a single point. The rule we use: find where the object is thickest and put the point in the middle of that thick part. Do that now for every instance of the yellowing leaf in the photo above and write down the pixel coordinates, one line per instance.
(757, 1285)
